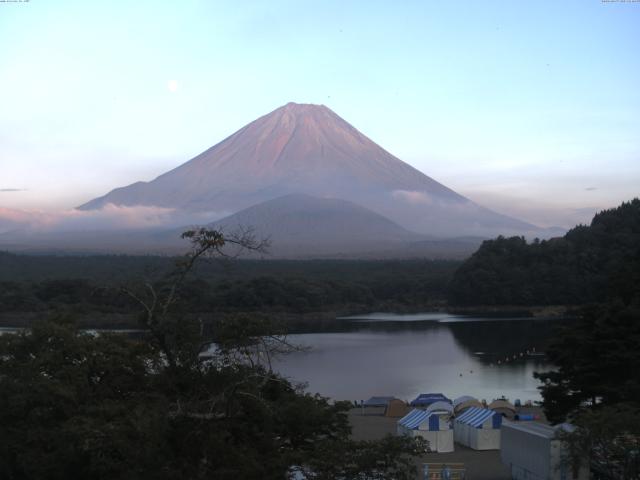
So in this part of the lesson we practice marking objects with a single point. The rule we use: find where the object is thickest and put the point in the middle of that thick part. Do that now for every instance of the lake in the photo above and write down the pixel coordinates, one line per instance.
(404, 355)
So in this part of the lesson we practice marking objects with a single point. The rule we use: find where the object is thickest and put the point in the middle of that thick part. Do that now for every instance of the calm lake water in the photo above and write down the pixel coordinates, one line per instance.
(404, 355)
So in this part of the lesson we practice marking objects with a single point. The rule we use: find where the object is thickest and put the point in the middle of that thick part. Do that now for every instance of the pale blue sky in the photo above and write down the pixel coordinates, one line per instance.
(531, 108)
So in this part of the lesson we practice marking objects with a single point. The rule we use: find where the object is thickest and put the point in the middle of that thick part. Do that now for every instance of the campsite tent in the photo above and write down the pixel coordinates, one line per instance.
(441, 407)
(461, 404)
(503, 407)
(376, 405)
(464, 398)
(429, 425)
(426, 399)
(478, 428)
(378, 401)
(396, 408)
(532, 452)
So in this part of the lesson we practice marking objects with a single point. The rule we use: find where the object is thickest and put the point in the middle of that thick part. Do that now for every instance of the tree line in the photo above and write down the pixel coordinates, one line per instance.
(347, 286)
(589, 264)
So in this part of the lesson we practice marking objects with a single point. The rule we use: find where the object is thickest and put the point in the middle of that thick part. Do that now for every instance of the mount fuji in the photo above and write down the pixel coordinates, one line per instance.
(305, 149)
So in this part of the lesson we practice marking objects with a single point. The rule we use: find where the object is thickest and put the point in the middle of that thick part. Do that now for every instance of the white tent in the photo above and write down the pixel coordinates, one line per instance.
(478, 428)
(464, 402)
(462, 399)
(444, 408)
(431, 426)
(533, 452)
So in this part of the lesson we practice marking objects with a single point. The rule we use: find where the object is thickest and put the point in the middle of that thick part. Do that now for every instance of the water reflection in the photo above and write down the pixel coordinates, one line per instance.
(375, 356)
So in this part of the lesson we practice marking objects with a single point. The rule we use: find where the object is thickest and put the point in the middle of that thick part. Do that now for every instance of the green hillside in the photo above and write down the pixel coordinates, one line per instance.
(589, 264)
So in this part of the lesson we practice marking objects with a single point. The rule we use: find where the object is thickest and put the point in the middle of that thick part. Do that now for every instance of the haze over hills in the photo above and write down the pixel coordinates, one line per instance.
(302, 219)
(308, 149)
(300, 225)
(297, 225)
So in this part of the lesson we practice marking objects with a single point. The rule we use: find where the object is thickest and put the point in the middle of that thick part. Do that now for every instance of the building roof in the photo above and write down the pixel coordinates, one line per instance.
(477, 416)
(532, 428)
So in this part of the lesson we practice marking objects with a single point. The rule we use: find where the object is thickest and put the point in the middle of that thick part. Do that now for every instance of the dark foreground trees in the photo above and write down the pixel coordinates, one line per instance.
(75, 405)
(597, 387)
(598, 359)
(79, 406)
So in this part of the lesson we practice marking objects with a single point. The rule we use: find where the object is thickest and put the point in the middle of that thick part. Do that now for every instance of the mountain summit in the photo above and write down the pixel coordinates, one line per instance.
(308, 149)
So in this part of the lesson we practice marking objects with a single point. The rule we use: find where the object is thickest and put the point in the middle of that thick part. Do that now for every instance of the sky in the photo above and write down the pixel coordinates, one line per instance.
(529, 108)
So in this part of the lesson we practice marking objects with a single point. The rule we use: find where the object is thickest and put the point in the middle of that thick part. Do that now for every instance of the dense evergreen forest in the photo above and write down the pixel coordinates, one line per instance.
(93, 284)
(588, 264)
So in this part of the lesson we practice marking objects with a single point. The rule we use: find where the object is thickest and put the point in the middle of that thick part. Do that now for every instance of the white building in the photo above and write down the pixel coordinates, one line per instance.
(533, 452)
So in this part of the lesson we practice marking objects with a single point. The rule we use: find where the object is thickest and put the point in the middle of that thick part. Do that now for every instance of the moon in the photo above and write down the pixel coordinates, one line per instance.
(172, 85)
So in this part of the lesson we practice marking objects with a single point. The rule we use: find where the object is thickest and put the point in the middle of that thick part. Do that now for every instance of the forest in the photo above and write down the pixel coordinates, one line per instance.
(588, 264)
(93, 285)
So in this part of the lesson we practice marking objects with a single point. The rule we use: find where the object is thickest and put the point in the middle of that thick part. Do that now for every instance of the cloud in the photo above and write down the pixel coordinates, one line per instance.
(110, 217)
(13, 190)
(421, 198)
(591, 189)
(414, 197)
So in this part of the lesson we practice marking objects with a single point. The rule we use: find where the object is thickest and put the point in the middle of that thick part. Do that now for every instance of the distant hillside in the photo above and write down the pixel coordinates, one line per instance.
(304, 225)
(588, 264)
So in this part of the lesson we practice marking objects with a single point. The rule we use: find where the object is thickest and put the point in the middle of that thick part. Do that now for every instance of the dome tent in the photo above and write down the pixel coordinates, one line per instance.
(465, 402)
(503, 406)
(441, 407)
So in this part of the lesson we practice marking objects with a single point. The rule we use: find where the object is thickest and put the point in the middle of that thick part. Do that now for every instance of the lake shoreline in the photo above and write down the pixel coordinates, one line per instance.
(299, 322)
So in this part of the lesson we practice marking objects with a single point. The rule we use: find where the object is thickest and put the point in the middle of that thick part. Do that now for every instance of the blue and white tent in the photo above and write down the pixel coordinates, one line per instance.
(431, 426)
(478, 428)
